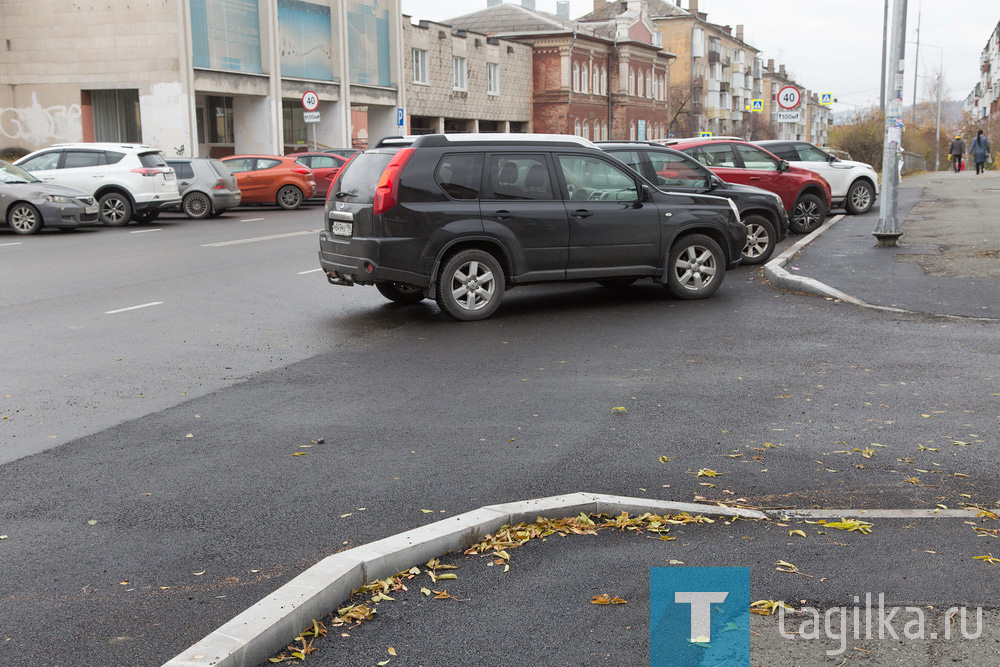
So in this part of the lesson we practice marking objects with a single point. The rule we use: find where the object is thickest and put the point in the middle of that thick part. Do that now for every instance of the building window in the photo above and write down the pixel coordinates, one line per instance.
(420, 66)
(584, 78)
(631, 81)
(649, 84)
(576, 128)
(220, 119)
(293, 124)
(604, 81)
(658, 38)
(631, 131)
(641, 85)
(597, 81)
(459, 73)
(576, 77)
(116, 115)
(492, 78)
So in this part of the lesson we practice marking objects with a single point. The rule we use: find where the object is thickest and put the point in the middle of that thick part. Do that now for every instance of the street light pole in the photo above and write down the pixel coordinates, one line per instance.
(888, 229)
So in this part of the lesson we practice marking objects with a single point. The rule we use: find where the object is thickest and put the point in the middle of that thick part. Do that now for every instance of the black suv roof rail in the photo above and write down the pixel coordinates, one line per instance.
(485, 139)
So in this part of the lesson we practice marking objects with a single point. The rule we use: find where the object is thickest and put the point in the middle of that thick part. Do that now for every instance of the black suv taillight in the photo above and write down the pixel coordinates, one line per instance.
(387, 190)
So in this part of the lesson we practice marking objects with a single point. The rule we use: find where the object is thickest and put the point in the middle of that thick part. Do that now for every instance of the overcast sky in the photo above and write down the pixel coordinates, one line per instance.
(828, 45)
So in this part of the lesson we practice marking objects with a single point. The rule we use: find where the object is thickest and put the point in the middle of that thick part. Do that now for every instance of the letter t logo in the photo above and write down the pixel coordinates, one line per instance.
(701, 612)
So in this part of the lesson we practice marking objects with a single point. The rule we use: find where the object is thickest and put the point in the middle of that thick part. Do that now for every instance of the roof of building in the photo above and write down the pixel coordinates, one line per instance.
(655, 8)
(509, 18)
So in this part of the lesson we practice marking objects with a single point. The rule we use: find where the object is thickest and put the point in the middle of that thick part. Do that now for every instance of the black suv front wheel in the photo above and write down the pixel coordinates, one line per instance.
(761, 239)
(695, 267)
(471, 285)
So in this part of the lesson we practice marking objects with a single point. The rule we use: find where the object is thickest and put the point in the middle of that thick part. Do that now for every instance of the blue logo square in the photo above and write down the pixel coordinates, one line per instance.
(695, 616)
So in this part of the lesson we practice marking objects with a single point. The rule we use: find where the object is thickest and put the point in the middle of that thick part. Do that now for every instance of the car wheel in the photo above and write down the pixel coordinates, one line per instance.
(115, 209)
(761, 240)
(616, 283)
(217, 213)
(695, 267)
(400, 292)
(860, 198)
(146, 216)
(24, 218)
(808, 214)
(196, 206)
(289, 197)
(471, 285)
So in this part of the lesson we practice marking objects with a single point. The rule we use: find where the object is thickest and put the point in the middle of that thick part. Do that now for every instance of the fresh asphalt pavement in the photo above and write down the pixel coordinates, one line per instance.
(159, 518)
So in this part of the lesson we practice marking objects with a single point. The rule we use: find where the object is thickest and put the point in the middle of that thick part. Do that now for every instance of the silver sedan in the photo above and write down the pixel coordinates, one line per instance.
(27, 204)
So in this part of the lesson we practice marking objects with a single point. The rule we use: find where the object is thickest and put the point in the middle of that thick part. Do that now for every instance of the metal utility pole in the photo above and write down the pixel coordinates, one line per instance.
(888, 229)
(937, 132)
(916, 68)
(885, 36)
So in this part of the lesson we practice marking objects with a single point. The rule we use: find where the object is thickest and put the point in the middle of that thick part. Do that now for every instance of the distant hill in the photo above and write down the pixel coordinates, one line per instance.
(951, 113)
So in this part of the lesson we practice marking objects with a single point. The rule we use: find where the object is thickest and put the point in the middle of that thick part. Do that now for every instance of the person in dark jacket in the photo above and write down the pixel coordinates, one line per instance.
(979, 151)
(957, 150)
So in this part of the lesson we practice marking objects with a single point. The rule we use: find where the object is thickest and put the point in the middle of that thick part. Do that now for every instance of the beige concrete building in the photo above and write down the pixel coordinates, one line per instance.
(197, 77)
(461, 81)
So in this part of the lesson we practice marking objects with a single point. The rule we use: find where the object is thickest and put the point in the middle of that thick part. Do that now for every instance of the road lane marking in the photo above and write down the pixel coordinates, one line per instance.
(143, 231)
(17, 243)
(258, 238)
(302, 273)
(122, 310)
(253, 220)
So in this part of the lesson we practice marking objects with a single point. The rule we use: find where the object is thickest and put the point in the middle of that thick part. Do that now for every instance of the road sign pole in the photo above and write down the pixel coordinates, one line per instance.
(888, 229)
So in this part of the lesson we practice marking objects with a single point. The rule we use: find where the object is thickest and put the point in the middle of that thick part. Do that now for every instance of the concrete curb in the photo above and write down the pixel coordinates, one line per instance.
(775, 272)
(267, 626)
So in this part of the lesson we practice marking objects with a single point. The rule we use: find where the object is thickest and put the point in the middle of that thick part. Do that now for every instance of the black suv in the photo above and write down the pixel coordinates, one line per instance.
(673, 171)
(463, 218)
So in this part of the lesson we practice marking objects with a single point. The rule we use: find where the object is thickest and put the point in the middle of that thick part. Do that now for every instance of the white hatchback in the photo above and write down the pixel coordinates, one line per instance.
(129, 181)
(853, 185)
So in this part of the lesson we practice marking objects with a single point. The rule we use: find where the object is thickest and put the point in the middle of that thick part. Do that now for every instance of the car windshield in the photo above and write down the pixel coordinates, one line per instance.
(11, 174)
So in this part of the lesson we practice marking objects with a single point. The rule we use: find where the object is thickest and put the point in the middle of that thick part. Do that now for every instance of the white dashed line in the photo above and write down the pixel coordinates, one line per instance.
(122, 310)
(259, 238)
(18, 243)
(253, 220)
(143, 231)
(302, 273)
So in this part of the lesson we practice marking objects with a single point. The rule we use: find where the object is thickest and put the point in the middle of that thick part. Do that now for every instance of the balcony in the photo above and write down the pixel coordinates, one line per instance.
(714, 57)
(723, 86)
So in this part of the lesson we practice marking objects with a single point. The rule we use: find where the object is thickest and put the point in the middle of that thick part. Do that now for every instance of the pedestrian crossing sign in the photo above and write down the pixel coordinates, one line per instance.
(826, 98)
(757, 105)
(705, 135)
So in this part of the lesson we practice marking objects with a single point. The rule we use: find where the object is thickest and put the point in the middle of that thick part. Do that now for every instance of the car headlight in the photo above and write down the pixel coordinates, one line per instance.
(58, 199)
(736, 211)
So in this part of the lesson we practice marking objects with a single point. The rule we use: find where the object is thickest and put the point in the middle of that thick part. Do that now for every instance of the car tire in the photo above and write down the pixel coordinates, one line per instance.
(24, 218)
(860, 198)
(761, 239)
(146, 216)
(475, 269)
(196, 206)
(808, 214)
(217, 213)
(695, 267)
(400, 292)
(115, 209)
(616, 283)
(289, 197)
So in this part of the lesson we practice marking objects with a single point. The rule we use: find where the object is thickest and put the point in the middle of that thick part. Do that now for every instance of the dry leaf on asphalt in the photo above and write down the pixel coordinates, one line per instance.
(768, 607)
(987, 559)
(603, 598)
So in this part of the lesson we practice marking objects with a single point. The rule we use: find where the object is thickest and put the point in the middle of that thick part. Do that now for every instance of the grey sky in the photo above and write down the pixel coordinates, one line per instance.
(828, 45)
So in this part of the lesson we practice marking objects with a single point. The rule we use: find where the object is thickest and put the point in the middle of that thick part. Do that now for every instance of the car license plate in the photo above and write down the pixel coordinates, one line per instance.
(91, 209)
(343, 228)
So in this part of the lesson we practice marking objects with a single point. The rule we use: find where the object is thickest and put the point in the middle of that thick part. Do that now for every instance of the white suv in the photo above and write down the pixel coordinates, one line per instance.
(129, 181)
(853, 185)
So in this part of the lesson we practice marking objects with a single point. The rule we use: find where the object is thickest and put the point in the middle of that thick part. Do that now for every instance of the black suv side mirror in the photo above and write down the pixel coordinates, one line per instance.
(713, 182)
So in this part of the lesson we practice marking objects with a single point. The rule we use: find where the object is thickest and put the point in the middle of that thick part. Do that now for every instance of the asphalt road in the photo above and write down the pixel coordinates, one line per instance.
(170, 498)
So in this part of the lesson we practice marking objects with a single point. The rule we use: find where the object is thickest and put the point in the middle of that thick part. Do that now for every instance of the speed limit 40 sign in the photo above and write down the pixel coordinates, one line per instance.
(789, 97)
(310, 100)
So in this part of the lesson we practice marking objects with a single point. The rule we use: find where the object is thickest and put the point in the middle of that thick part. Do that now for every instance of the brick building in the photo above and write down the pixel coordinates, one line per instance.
(461, 81)
(600, 79)
(197, 77)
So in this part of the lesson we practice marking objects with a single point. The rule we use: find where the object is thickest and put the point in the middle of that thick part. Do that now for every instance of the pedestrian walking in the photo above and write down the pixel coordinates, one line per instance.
(957, 150)
(980, 151)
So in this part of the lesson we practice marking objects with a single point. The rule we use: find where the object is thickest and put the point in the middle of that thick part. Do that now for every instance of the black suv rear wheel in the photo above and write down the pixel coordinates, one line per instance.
(399, 292)
(471, 285)
(695, 267)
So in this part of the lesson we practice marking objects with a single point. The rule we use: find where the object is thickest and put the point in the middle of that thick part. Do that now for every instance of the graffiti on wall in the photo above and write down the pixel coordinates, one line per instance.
(38, 125)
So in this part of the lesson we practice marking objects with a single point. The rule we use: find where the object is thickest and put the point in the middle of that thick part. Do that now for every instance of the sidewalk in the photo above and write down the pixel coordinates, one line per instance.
(947, 261)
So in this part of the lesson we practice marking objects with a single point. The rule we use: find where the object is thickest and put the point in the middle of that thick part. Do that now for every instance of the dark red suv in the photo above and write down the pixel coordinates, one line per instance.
(805, 194)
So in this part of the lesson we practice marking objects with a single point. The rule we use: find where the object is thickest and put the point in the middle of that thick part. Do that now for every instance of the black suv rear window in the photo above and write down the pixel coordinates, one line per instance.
(361, 177)
(152, 160)
(460, 175)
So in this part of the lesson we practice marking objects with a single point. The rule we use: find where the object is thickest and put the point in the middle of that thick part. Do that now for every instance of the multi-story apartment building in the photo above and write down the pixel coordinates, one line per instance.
(600, 79)
(984, 99)
(460, 81)
(814, 118)
(716, 74)
(197, 77)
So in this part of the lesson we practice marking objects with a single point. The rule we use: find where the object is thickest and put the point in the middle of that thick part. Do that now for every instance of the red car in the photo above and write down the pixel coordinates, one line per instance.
(324, 166)
(805, 194)
(271, 179)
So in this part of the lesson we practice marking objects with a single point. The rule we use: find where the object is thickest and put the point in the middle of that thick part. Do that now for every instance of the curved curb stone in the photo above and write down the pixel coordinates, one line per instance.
(267, 626)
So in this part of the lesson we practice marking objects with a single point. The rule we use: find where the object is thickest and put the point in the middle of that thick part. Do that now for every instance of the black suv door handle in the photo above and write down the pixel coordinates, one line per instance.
(581, 213)
(502, 215)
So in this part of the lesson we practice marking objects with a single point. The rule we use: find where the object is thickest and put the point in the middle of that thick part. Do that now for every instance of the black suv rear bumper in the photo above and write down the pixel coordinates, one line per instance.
(357, 261)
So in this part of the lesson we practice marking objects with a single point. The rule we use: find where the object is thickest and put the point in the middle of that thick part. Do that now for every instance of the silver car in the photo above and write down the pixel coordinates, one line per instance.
(206, 185)
(28, 204)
